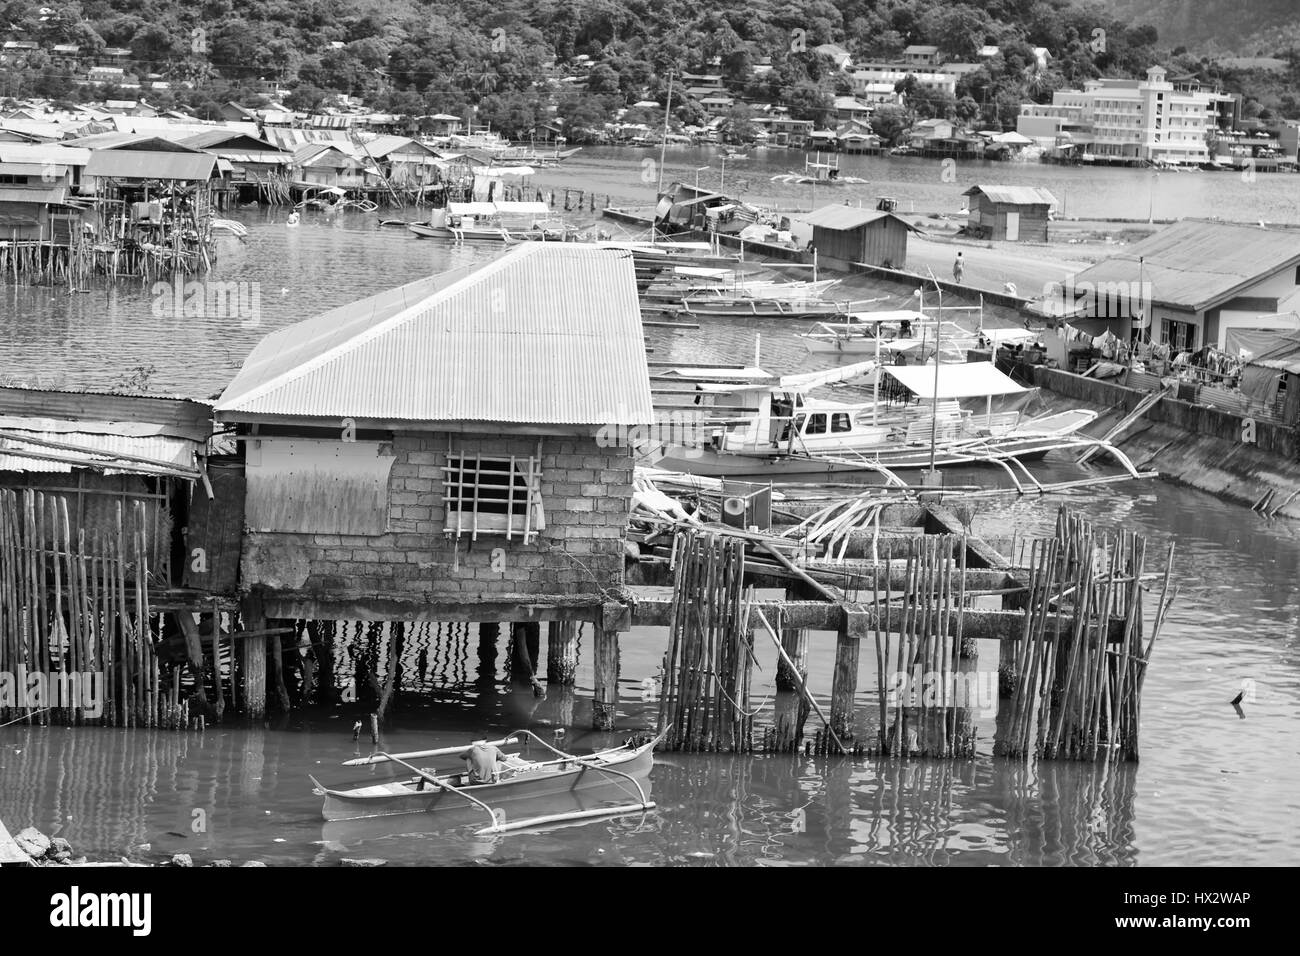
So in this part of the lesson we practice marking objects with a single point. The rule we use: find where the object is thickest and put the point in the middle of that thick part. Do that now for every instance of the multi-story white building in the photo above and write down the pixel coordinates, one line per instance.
(1151, 119)
(867, 79)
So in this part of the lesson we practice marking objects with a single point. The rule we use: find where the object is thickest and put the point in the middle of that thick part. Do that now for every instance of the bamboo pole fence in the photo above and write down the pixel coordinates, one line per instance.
(78, 642)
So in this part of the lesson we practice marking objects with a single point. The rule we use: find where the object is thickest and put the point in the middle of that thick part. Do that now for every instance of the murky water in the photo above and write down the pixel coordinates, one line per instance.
(1213, 788)
(925, 185)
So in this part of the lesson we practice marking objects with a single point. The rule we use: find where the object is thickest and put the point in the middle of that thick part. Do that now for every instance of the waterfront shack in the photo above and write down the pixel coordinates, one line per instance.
(1011, 213)
(452, 450)
(1272, 378)
(403, 163)
(248, 164)
(1201, 283)
(153, 201)
(328, 164)
(95, 491)
(846, 234)
(36, 185)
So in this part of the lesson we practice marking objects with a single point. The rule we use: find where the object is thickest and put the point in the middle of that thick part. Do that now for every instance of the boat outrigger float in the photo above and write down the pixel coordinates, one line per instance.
(520, 786)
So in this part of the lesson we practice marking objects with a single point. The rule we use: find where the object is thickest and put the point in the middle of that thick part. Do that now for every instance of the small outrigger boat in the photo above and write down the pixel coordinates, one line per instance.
(819, 174)
(484, 221)
(526, 793)
(792, 434)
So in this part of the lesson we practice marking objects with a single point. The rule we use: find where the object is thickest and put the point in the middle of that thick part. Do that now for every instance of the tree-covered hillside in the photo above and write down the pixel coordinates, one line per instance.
(515, 59)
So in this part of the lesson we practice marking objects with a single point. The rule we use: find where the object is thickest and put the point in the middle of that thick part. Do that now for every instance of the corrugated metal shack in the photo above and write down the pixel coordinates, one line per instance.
(1013, 213)
(845, 234)
(94, 497)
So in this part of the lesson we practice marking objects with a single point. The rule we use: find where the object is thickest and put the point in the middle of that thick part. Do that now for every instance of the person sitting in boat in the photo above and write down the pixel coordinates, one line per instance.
(481, 762)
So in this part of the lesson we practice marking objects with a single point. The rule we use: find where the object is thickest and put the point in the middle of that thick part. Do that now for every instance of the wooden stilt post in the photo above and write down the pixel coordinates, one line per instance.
(844, 685)
(525, 643)
(605, 703)
(562, 652)
(489, 634)
(794, 641)
(253, 650)
(277, 670)
(194, 651)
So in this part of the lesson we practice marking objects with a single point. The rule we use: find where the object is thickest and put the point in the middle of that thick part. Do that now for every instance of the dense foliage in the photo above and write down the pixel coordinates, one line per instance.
(517, 60)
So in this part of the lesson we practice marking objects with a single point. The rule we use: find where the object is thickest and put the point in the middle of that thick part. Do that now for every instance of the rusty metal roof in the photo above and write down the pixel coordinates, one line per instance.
(546, 333)
(1015, 195)
(841, 217)
(1195, 265)
(61, 445)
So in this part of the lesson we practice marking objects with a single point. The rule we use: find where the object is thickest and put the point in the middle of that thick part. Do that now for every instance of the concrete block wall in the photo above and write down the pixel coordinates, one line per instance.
(586, 496)
(1270, 437)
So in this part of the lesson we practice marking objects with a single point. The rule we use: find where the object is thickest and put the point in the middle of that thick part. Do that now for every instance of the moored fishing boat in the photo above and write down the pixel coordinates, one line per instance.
(818, 173)
(485, 221)
(793, 434)
(607, 782)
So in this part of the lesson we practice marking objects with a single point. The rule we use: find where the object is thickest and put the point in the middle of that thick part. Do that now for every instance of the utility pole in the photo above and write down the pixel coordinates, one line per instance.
(663, 144)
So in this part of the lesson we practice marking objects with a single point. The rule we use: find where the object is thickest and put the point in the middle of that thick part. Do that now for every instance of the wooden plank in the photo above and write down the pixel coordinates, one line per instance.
(978, 624)
(503, 608)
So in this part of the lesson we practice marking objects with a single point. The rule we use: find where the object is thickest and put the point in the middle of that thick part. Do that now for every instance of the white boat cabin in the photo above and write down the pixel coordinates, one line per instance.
(788, 421)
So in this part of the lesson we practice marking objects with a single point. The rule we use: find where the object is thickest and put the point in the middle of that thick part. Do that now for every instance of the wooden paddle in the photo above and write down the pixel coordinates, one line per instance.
(420, 754)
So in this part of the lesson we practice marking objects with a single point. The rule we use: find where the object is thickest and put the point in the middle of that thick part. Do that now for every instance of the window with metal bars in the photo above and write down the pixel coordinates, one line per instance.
(495, 496)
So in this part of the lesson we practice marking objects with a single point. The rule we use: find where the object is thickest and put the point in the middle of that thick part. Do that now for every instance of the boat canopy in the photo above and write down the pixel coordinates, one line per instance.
(999, 336)
(523, 208)
(472, 208)
(844, 373)
(963, 380)
(498, 172)
(894, 315)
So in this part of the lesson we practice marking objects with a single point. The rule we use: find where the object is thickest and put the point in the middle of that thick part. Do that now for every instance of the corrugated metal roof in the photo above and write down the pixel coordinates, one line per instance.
(32, 169)
(62, 156)
(211, 138)
(147, 164)
(20, 194)
(381, 146)
(846, 217)
(173, 452)
(1195, 265)
(1018, 195)
(546, 333)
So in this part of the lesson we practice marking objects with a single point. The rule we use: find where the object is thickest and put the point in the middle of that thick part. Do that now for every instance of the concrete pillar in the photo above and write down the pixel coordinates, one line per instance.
(562, 652)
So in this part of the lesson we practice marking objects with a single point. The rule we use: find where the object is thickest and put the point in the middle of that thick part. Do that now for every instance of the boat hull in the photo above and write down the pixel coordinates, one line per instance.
(708, 463)
(519, 797)
(423, 231)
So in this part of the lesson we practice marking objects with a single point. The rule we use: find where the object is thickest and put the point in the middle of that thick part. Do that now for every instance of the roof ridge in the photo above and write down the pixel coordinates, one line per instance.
(368, 334)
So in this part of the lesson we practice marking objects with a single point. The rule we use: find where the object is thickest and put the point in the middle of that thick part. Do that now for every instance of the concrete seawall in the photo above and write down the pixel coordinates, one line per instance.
(1200, 446)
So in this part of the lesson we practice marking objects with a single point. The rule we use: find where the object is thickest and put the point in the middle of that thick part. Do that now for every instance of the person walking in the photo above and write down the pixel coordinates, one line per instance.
(958, 268)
